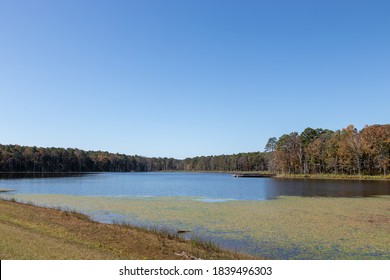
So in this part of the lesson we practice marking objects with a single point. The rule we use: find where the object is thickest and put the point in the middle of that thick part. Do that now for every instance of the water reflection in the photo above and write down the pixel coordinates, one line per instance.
(29, 175)
(328, 188)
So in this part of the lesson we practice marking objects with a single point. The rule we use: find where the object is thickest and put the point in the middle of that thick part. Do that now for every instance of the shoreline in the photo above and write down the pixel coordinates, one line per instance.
(61, 234)
(334, 177)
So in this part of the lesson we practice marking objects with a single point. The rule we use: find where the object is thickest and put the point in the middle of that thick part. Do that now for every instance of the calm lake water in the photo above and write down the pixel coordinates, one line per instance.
(213, 187)
(242, 214)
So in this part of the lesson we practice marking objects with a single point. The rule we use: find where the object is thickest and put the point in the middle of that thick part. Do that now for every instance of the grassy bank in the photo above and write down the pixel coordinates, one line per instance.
(32, 232)
(333, 176)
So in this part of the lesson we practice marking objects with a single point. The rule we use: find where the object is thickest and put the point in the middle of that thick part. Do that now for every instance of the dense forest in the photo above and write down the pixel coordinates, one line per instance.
(239, 162)
(345, 151)
(15, 158)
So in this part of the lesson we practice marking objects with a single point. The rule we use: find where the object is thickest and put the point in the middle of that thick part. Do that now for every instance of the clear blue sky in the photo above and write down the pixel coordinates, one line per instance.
(186, 78)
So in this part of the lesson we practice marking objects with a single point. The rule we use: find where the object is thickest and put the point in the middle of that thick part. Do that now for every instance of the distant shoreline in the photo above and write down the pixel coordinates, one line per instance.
(334, 177)
(252, 174)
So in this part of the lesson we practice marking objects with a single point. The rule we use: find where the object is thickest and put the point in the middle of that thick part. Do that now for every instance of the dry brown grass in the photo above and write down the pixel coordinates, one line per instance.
(31, 232)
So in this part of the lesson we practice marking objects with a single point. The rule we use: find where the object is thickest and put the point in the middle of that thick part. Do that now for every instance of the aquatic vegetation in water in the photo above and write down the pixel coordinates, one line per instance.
(285, 228)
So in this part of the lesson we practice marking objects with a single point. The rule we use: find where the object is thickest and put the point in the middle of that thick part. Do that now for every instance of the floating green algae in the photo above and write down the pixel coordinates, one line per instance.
(285, 228)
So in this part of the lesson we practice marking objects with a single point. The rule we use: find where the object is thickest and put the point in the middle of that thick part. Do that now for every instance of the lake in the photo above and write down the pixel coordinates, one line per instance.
(275, 218)
(206, 186)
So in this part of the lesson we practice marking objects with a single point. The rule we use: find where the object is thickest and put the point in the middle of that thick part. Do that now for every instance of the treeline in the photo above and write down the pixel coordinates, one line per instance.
(345, 151)
(238, 162)
(15, 158)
